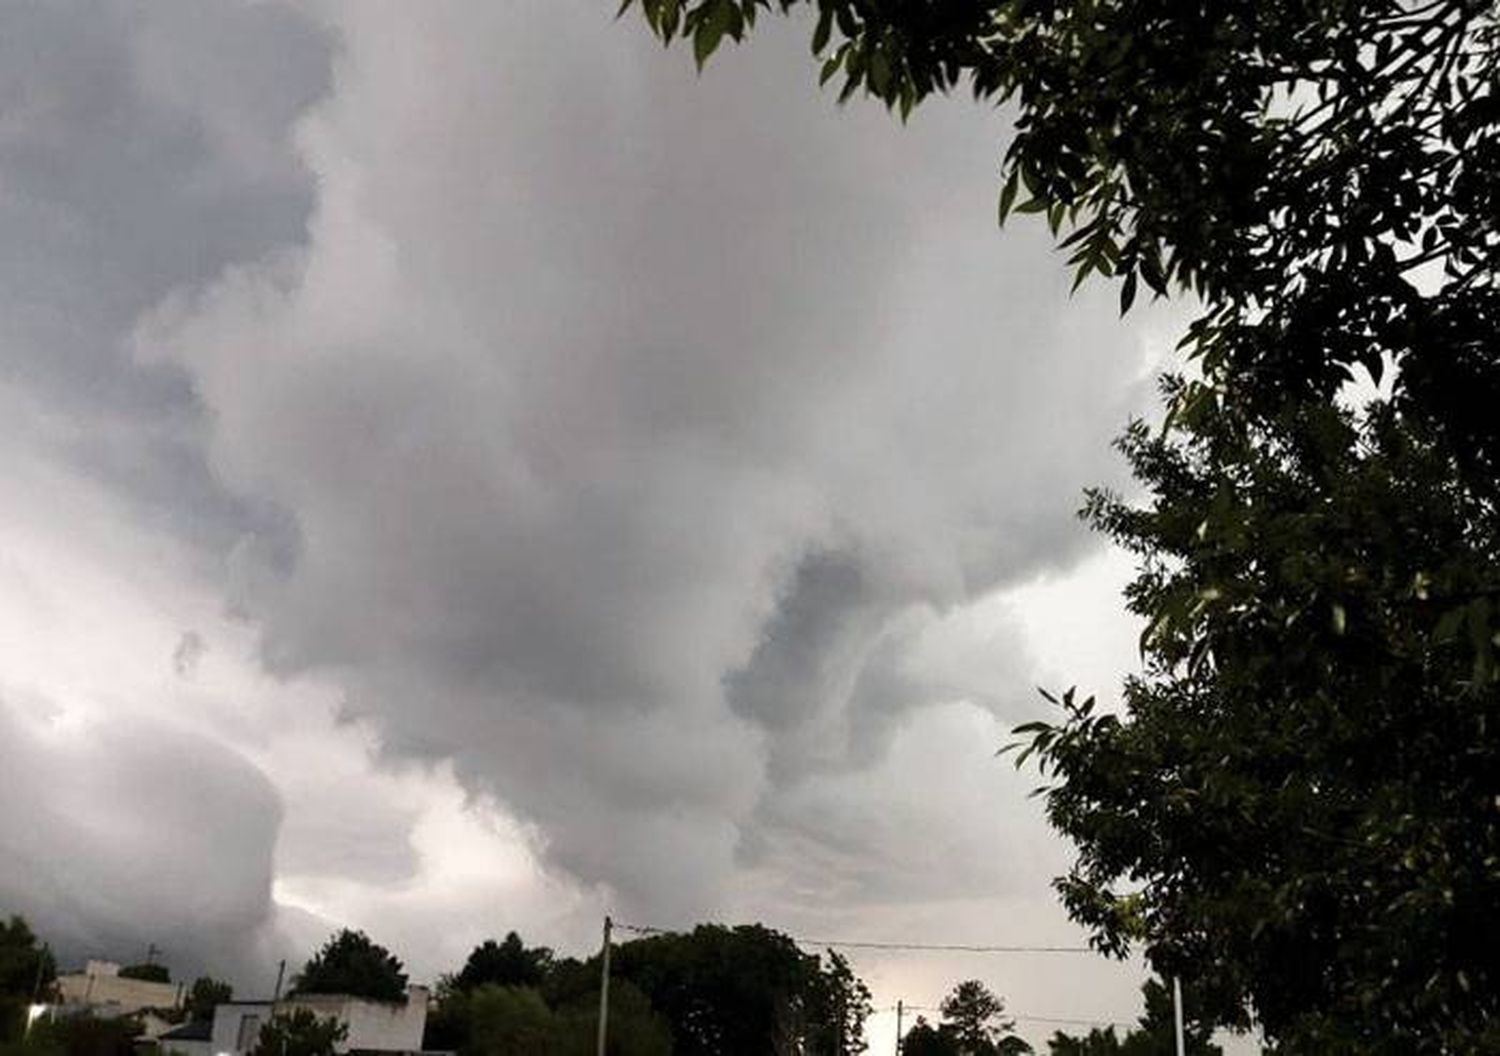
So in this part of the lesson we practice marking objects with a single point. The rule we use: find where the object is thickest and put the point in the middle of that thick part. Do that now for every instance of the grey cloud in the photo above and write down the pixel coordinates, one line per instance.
(133, 832)
(143, 147)
(633, 424)
(625, 436)
(190, 649)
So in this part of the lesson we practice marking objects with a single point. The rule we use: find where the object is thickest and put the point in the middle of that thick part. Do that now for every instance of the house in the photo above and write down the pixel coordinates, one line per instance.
(373, 1026)
(101, 989)
(193, 1038)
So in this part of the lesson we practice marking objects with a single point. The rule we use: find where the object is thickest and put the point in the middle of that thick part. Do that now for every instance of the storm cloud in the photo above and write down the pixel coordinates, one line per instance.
(624, 456)
(636, 448)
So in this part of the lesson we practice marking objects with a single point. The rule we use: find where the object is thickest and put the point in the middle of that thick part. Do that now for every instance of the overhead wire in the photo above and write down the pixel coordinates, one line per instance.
(922, 947)
(866, 944)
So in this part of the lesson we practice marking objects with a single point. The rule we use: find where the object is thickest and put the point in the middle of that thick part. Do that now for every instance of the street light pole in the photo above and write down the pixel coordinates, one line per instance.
(1177, 1013)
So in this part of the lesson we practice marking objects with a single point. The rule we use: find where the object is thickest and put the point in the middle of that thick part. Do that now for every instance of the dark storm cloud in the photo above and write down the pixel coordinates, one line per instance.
(628, 438)
(143, 147)
(635, 426)
(134, 832)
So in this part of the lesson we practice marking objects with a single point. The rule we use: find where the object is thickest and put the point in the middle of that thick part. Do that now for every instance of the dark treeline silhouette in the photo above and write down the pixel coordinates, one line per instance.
(735, 991)
(732, 991)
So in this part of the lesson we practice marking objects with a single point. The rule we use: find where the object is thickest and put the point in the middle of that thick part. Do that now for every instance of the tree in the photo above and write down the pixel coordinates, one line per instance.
(1303, 780)
(300, 1032)
(924, 1039)
(26, 969)
(508, 963)
(349, 963)
(975, 1017)
(635, 1028)
(1156, 1034)
(494, 1020)
(731, 991)
(1296, 802)
(206, 995)
(85, 1036)
(508, 1019)
(1097, 1042)
(837, 1003)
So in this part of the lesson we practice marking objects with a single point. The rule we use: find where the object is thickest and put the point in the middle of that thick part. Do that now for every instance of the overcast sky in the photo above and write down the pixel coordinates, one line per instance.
(464, 471)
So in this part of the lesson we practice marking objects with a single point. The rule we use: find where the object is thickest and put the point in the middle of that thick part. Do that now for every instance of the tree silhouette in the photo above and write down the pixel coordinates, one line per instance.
(349, 963)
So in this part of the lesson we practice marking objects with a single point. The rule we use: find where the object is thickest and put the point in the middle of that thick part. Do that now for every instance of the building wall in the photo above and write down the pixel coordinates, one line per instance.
(100, 984)
(186, 1048)
(236, 1025)
(386, 1026)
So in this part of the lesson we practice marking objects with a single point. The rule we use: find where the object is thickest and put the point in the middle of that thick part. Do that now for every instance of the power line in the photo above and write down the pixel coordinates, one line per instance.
(926, 947)
(1057, 1020)
(1063, 1021)
(862, 944)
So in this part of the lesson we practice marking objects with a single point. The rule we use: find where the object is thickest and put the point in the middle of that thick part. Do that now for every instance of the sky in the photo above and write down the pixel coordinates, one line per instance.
(465, 471)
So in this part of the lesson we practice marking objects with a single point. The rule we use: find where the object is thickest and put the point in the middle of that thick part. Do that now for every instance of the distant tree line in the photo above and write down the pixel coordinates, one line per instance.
(725, 991)
(734, 991)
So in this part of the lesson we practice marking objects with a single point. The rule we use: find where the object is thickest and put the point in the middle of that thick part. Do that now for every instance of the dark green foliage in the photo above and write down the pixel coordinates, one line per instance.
(1097, 1042)
(1156, 1035)
(300, 1032)
(349, 963)
(508, 963)
(834, 1009)
(31, 1046)
(635, 1028)
(84, 1036)
(924, 1039)
(976, 1018)
(712, 990)
(26, 969)
(146, 972)
(1306, 782)
(746, 990)
(493, 1020)
(507, 1019)
(205, 995)
(974, 1024)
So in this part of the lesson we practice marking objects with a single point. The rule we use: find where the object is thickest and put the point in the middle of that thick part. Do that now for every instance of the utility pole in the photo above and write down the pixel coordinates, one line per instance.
(899, 1010)
(604, 988)
(276, 998)
(41, 963)
(1177, 1013)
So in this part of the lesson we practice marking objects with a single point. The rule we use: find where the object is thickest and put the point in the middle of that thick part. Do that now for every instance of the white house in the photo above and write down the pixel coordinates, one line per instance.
(100, 986)
(373, 1026)
(193, 1038)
